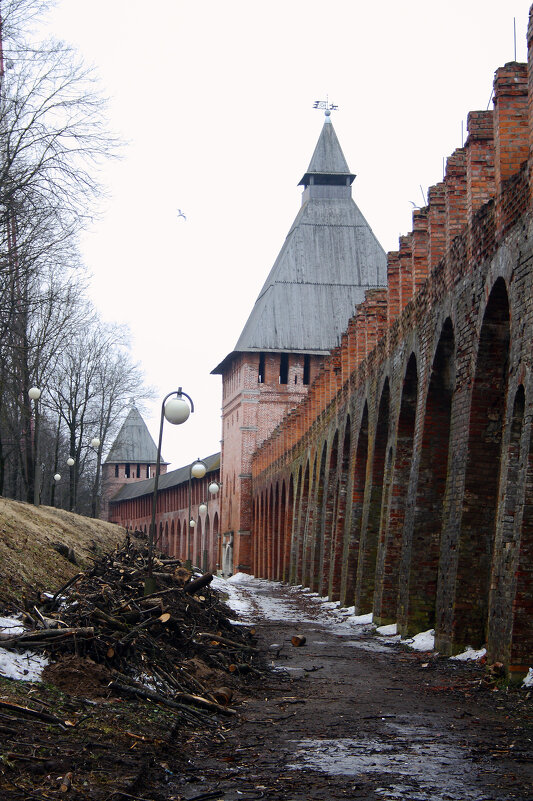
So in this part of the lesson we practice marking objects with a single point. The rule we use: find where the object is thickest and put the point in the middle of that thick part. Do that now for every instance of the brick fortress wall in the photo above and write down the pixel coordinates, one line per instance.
(403, 482)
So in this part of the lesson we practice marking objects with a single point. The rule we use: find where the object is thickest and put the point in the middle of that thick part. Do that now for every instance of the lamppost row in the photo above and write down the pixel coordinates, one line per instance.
(34, 393)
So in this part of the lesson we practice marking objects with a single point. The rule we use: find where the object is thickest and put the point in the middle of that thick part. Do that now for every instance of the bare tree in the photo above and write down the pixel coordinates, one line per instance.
(92, 382)
(52, 140)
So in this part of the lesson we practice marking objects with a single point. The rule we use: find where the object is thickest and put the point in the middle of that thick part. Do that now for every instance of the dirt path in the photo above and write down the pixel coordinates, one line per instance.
(353, 716)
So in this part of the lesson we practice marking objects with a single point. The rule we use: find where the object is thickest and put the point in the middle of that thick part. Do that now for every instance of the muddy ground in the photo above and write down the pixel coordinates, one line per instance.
(353, 716)
(348, 715)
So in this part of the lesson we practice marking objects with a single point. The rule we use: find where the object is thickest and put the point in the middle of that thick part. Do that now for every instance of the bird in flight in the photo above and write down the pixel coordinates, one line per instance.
(181, 214)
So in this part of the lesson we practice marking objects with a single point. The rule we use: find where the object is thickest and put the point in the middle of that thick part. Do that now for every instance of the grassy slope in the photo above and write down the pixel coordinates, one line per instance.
(28, 561)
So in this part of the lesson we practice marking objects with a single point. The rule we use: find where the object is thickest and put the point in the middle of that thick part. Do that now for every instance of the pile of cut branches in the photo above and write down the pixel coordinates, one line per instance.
(150, 646)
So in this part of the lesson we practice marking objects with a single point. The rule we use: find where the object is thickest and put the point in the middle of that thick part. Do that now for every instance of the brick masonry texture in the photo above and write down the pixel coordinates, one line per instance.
(403, 481)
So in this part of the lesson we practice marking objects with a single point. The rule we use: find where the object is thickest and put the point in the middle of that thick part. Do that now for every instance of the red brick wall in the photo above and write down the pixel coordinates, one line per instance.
(437, 528)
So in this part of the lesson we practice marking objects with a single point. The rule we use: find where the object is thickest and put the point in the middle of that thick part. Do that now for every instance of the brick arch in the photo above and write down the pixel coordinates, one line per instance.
(487, 412)
(335, 575)
(208, 543)
(280, 529)
(417, 607)
(287, 527)
(508, 549)
(302, 556)
(316, 532)
(366, 566)
(269, 532)
(358, 483)
(178, 548)
(263, 532)
(328, 515)
(310, 521)
(386, 596)
(257, 533)
(522, 631)
(198, 536)
(295, 570)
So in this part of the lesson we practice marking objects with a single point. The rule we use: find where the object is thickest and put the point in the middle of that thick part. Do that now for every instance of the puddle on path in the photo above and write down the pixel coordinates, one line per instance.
(437, 770)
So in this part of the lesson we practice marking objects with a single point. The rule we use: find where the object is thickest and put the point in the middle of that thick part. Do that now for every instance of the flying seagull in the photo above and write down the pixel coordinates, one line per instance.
(181, 214)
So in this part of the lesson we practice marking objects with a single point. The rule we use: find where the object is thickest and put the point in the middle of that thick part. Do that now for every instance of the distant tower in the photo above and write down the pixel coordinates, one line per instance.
(329, 259)
(133, 457)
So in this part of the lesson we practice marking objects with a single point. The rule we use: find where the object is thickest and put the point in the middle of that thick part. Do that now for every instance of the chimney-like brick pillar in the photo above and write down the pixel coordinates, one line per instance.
(455, 183)
(530, 97)
(420, 248)
(436, 224)
(352, 346)
(480, 184)
(393, 286)
(406, 270)
(510, 121)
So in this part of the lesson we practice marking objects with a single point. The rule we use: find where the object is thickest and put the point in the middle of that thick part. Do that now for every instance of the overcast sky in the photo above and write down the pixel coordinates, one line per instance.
(215, 103)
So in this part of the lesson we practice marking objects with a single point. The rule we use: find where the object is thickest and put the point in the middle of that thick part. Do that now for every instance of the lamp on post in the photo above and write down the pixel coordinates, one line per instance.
(198, 469)
(176, 410)
(203, 508)
(34, 393)
(57, 479)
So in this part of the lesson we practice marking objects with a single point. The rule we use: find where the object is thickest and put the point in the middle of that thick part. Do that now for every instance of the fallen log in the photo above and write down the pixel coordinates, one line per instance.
(151, 695)
(41, 635)
(193, 586)
(32, 713)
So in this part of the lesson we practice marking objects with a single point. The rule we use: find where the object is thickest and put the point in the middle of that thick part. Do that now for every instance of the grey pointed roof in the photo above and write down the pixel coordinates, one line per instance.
(328, 158)
(133, 442)
(329, 259)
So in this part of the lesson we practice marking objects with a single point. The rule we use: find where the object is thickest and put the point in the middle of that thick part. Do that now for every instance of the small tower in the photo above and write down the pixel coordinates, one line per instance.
(329, 259)
(133, 457)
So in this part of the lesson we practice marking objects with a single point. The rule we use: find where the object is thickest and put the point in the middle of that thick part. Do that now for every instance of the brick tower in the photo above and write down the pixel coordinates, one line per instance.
(133, 457)
(329, 259)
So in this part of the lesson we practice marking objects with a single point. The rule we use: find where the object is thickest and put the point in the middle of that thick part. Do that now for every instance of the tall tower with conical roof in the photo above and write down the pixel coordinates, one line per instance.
(133, 457)
(329, 259)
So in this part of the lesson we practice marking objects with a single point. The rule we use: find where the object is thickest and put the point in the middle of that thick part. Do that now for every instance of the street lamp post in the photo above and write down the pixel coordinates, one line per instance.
(203, 508)
(57, 479)
(198, 469)
(34, 393)
(176, 411)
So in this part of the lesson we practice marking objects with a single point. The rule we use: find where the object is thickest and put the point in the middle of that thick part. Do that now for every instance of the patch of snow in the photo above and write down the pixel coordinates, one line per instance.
(423, 641)
(11, 625)
(360, 620)
(27, 666)
(469, 654)
(528, 680)
(387, 631)
(239, 578)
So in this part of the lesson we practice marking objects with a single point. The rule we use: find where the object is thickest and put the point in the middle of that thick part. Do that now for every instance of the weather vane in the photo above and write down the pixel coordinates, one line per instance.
(326, 105)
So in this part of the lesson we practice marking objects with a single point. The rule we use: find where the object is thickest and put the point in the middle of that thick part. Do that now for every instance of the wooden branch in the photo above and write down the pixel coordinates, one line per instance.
(193, 586)
(41, 635)
(32, 713)
(225, 641)
(151, 695)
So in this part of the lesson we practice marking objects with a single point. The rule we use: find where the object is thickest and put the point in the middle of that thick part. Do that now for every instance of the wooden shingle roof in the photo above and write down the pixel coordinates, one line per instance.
(328, 260)
(133, 442)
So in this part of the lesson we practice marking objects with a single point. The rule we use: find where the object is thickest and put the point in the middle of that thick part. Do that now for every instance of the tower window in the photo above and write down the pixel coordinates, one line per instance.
(307, 368)
(138, 471)
(283, 368)
(261, 373)
(116, 471)
(127, 471)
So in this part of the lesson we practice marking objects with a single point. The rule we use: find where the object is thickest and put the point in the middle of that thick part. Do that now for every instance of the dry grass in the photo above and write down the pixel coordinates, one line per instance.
(28, 560)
